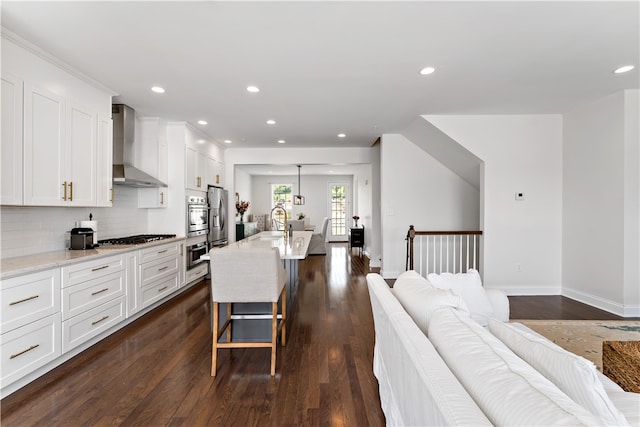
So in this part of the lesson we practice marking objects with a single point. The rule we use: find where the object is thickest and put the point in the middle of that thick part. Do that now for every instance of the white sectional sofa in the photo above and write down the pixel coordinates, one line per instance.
(437, 365)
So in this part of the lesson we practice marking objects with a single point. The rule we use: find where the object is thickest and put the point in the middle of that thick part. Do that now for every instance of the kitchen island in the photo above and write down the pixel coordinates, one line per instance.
(292, 250)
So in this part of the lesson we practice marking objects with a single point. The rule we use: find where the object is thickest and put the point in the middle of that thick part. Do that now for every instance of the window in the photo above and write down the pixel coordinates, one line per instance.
(282, 193)
(338, 207)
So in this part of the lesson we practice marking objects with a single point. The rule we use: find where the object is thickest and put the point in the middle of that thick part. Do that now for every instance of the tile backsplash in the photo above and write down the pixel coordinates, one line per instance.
(26, 230)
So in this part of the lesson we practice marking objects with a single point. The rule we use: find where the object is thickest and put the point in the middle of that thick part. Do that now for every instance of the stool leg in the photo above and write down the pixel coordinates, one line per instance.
(214, 345)
(230, 323)
(283, 333)
(274, 335)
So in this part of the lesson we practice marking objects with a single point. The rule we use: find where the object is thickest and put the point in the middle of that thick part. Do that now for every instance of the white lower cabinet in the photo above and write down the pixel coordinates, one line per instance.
(30, 323)
(28, 348)
(159, 272)
(93, 299)
(87, 325)
(197, 272)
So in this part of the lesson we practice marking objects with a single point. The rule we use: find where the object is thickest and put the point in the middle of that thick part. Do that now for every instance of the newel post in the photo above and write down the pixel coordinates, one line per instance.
(411, 234)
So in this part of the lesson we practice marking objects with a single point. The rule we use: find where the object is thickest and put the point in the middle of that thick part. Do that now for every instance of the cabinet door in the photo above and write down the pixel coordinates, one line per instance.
(191, 172)
(11, 155)
(105, 162)
(44, 161)
(201, 178)
(211, 172)
(82, 156)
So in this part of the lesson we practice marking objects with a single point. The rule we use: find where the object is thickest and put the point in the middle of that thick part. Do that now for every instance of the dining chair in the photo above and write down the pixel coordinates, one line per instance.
(247, 275)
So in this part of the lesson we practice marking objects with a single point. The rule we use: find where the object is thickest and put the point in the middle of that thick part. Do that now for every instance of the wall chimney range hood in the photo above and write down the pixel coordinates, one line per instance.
(124, 172)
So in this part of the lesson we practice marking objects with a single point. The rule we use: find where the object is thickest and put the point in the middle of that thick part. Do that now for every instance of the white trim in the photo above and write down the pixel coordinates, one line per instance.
(529, 290)
(27, 45)
(602, 303)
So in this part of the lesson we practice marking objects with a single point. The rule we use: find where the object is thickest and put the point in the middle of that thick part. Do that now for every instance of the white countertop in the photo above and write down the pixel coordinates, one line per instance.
(17, 266)
(292, 248)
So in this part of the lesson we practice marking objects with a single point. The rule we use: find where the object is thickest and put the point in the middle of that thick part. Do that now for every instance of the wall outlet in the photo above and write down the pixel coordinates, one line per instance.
(519, 196)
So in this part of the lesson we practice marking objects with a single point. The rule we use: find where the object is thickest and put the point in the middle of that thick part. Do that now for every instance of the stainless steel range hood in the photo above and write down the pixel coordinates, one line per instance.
(124, 172)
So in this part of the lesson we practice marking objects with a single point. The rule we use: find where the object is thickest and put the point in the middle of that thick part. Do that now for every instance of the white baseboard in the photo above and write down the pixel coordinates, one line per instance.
(602, 303)
(530, 291)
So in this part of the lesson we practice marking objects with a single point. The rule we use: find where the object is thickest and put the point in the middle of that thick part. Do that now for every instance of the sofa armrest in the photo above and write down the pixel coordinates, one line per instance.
(499, 303)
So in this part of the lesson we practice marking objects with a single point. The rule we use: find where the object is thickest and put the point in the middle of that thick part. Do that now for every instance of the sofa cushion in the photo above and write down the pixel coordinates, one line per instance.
(420, 299)
(469, 286)
(574, 375)
(507, 389)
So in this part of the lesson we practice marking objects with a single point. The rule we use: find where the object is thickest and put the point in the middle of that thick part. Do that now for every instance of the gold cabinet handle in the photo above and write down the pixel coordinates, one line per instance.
(98, 321)
(64, 196)
(163, 251)
(99, 292)
(163, 268)
(70, 191)
(100, 268)
(162, 197)
(24, 300)
(162, 289)
(13, 356)
(217, 179)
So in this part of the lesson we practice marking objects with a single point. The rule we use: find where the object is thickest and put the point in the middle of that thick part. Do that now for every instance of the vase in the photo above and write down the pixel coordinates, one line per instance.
(356, 225)
(241, 217)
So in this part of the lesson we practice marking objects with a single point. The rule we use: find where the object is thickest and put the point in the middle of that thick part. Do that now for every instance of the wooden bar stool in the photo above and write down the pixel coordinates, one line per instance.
(247, 275)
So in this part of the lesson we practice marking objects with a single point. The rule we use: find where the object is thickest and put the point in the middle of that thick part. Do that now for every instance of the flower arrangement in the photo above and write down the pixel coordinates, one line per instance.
(241, 207)
(301, 215)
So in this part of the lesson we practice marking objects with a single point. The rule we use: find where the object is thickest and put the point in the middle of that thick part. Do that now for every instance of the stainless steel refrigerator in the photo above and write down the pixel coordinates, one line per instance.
(218, 224)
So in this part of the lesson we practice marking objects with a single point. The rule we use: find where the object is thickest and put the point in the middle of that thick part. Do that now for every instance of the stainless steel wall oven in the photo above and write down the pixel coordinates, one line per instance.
(197, 216)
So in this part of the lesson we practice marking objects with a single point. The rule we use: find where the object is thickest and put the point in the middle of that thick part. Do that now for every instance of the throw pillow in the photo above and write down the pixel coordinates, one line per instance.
(574, 375)
(469, 286)
(420, 299)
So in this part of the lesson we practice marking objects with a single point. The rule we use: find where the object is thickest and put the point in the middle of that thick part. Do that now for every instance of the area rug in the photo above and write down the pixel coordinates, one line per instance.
(584, 337)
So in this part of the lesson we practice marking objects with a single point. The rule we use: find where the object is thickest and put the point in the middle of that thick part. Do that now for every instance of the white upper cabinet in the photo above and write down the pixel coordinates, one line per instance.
(82, 156)
(56, 131)
(11, 154)
(203, 166)
(105, 161)
(45, 180)
(151, 139)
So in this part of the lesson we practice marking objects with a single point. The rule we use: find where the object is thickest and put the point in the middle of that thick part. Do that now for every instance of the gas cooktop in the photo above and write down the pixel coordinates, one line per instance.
(135, 240)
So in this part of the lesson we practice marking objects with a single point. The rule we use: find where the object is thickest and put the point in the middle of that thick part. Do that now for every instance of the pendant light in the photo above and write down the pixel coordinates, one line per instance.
(298, 199)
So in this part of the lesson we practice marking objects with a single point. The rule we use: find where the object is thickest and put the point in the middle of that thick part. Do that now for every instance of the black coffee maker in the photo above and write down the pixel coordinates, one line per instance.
(82, 238)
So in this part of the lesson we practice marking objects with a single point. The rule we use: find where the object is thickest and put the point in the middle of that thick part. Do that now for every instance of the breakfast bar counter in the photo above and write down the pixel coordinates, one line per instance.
(292, 250)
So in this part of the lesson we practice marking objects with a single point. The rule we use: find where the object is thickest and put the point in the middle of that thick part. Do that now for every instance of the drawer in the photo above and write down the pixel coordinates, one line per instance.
(158, 290)
(26, 349)
(87, 295)
(87, 325)
(155, 270)
(197, 272)
(28, 298)
(89, 270)
(157, 252)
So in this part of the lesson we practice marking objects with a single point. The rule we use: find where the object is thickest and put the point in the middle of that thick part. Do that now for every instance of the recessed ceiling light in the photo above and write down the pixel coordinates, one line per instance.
(281, 141)
(202, 122)
(271, 122)
(227, 141)
(157, 89)
(623, 69)
(427, 70)
(341, 135)
(253, 89)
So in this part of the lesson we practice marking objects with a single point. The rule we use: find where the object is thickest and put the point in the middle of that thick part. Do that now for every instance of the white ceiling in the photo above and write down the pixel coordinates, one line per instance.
(330, 67)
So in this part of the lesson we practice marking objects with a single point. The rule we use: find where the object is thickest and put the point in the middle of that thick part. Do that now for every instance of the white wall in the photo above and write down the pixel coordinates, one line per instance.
(244, 188)
(418, 190)
(601, 196)
(521, 153)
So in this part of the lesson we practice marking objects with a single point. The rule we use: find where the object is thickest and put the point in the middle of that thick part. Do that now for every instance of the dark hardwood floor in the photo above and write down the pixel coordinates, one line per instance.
(155, 372)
